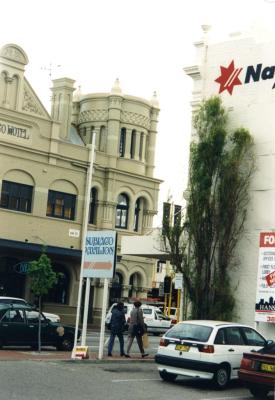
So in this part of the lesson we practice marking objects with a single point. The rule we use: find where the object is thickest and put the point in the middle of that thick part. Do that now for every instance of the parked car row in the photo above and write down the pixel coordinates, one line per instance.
(19, 327)
(218, 351)
(18, 300)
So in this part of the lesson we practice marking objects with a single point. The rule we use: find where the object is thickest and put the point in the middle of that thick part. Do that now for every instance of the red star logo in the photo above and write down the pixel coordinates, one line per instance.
(229, 78)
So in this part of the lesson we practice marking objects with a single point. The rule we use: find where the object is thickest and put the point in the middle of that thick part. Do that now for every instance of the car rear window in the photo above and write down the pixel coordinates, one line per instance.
(12, 301)
(199, 333)
(147, 311)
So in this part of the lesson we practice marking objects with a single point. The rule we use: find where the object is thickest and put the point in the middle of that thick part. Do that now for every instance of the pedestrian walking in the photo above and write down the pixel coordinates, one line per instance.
(117, 326)
(137, 328)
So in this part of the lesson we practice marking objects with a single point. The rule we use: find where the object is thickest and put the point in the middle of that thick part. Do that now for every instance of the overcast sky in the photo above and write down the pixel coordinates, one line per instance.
(144, 43)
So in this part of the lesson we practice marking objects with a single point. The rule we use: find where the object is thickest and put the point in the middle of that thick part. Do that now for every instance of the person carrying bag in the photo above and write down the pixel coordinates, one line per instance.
(137, 329)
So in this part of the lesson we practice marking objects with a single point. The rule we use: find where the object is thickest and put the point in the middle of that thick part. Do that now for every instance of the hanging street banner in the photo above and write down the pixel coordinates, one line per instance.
(265, 295)
(100, 254)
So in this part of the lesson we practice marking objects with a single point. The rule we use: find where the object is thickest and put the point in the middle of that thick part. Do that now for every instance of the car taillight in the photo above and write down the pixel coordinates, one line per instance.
(174, 321)
(206, 349)
(163, 342)
(246, 363)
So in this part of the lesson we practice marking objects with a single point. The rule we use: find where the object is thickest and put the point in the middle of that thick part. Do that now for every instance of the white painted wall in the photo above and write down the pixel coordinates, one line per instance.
(252, 106)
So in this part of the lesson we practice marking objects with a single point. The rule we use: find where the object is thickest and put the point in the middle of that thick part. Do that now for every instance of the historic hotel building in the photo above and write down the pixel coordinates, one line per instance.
(43, 170)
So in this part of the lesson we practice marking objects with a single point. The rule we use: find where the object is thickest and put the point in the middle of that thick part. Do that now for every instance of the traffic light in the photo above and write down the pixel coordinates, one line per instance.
(167, 284)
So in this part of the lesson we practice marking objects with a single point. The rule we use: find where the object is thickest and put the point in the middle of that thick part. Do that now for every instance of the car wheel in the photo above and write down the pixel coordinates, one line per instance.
(66, 344)
(167, 376)
(221, 377)
(259, 392)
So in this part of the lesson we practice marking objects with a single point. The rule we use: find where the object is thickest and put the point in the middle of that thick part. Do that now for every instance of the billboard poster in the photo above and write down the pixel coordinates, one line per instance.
(100, 254)
(265, 295)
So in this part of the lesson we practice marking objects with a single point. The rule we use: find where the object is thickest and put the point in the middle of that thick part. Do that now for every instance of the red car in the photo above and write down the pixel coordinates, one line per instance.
(257, 370)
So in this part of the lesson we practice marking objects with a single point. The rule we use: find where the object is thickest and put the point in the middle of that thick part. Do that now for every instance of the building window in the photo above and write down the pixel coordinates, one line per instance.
(122, 211)
(102, 134)
(136, 217)
(133, 144)
(61, 205)
(141, 146)
(16, 196)
(93, 200)
(59, 293)
(122, 142)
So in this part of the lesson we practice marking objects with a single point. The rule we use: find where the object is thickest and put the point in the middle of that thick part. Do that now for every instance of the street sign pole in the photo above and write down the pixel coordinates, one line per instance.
(83, 242)
(102, 328)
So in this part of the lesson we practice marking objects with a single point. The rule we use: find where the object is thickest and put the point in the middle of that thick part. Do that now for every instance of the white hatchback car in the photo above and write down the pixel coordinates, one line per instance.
(18, 300)
(206, 349)
(153, 317)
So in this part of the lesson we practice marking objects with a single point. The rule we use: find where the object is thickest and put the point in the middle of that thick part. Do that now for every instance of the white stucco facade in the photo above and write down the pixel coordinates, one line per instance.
(246, 90)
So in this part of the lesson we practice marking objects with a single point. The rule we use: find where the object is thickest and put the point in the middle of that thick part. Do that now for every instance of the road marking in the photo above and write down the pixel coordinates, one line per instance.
(228, 398)
(132, 380)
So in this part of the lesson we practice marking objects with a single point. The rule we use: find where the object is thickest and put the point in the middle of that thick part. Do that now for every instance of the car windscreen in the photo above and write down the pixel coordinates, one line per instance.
(199, 333)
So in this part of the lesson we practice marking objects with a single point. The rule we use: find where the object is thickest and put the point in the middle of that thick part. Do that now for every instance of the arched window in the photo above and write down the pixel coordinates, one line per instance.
(93, 201)
(122, 142)
(60, 292)
(122, 211)
(141, 145)
(133, 144)
(102, 138)
(136, 216)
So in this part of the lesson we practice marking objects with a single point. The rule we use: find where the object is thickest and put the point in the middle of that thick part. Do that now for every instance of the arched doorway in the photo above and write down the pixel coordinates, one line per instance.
(12, 278)
(135, 282)
(116, 288)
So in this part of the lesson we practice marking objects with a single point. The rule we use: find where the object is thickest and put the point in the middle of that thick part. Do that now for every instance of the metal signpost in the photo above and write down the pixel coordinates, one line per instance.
(99, 262)
(83, 238)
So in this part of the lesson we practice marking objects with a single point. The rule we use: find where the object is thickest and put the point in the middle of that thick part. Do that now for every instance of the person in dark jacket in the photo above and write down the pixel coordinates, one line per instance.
(118, 322)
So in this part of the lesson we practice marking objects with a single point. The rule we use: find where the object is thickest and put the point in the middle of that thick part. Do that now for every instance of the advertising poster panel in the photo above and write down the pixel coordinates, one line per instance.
(100, 254)
(265, 295)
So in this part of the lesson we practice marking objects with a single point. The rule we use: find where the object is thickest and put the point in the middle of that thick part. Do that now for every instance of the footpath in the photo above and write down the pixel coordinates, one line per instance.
(48, 354)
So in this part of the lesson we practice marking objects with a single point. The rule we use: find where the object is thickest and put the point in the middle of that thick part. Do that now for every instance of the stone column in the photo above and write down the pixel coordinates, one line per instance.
(131, 212)
(108, 214)
(144, 144)
(147, 221)
(128, 143)
(152, 142)
(114, 117)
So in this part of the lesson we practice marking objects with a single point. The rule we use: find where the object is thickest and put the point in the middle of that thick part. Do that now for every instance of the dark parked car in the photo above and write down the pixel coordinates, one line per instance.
(19, 327)
(258, 370)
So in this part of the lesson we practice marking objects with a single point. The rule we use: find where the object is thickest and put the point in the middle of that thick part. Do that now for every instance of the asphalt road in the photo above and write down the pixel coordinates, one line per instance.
(84, 380)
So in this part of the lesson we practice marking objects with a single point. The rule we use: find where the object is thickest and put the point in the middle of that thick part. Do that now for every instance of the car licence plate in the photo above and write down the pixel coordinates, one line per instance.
(268, 367)
(182, 347)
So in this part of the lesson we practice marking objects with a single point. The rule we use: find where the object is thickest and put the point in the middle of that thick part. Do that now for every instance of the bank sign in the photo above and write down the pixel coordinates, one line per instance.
(100, 254)
(265, 293)
(230, 76)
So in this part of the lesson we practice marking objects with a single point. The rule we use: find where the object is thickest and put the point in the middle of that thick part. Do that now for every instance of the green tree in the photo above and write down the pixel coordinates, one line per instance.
(42, 279)
(203, 246)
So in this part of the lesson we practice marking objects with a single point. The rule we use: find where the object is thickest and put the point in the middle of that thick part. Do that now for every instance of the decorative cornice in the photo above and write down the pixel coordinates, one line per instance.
(92, 115)
(135, 119)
